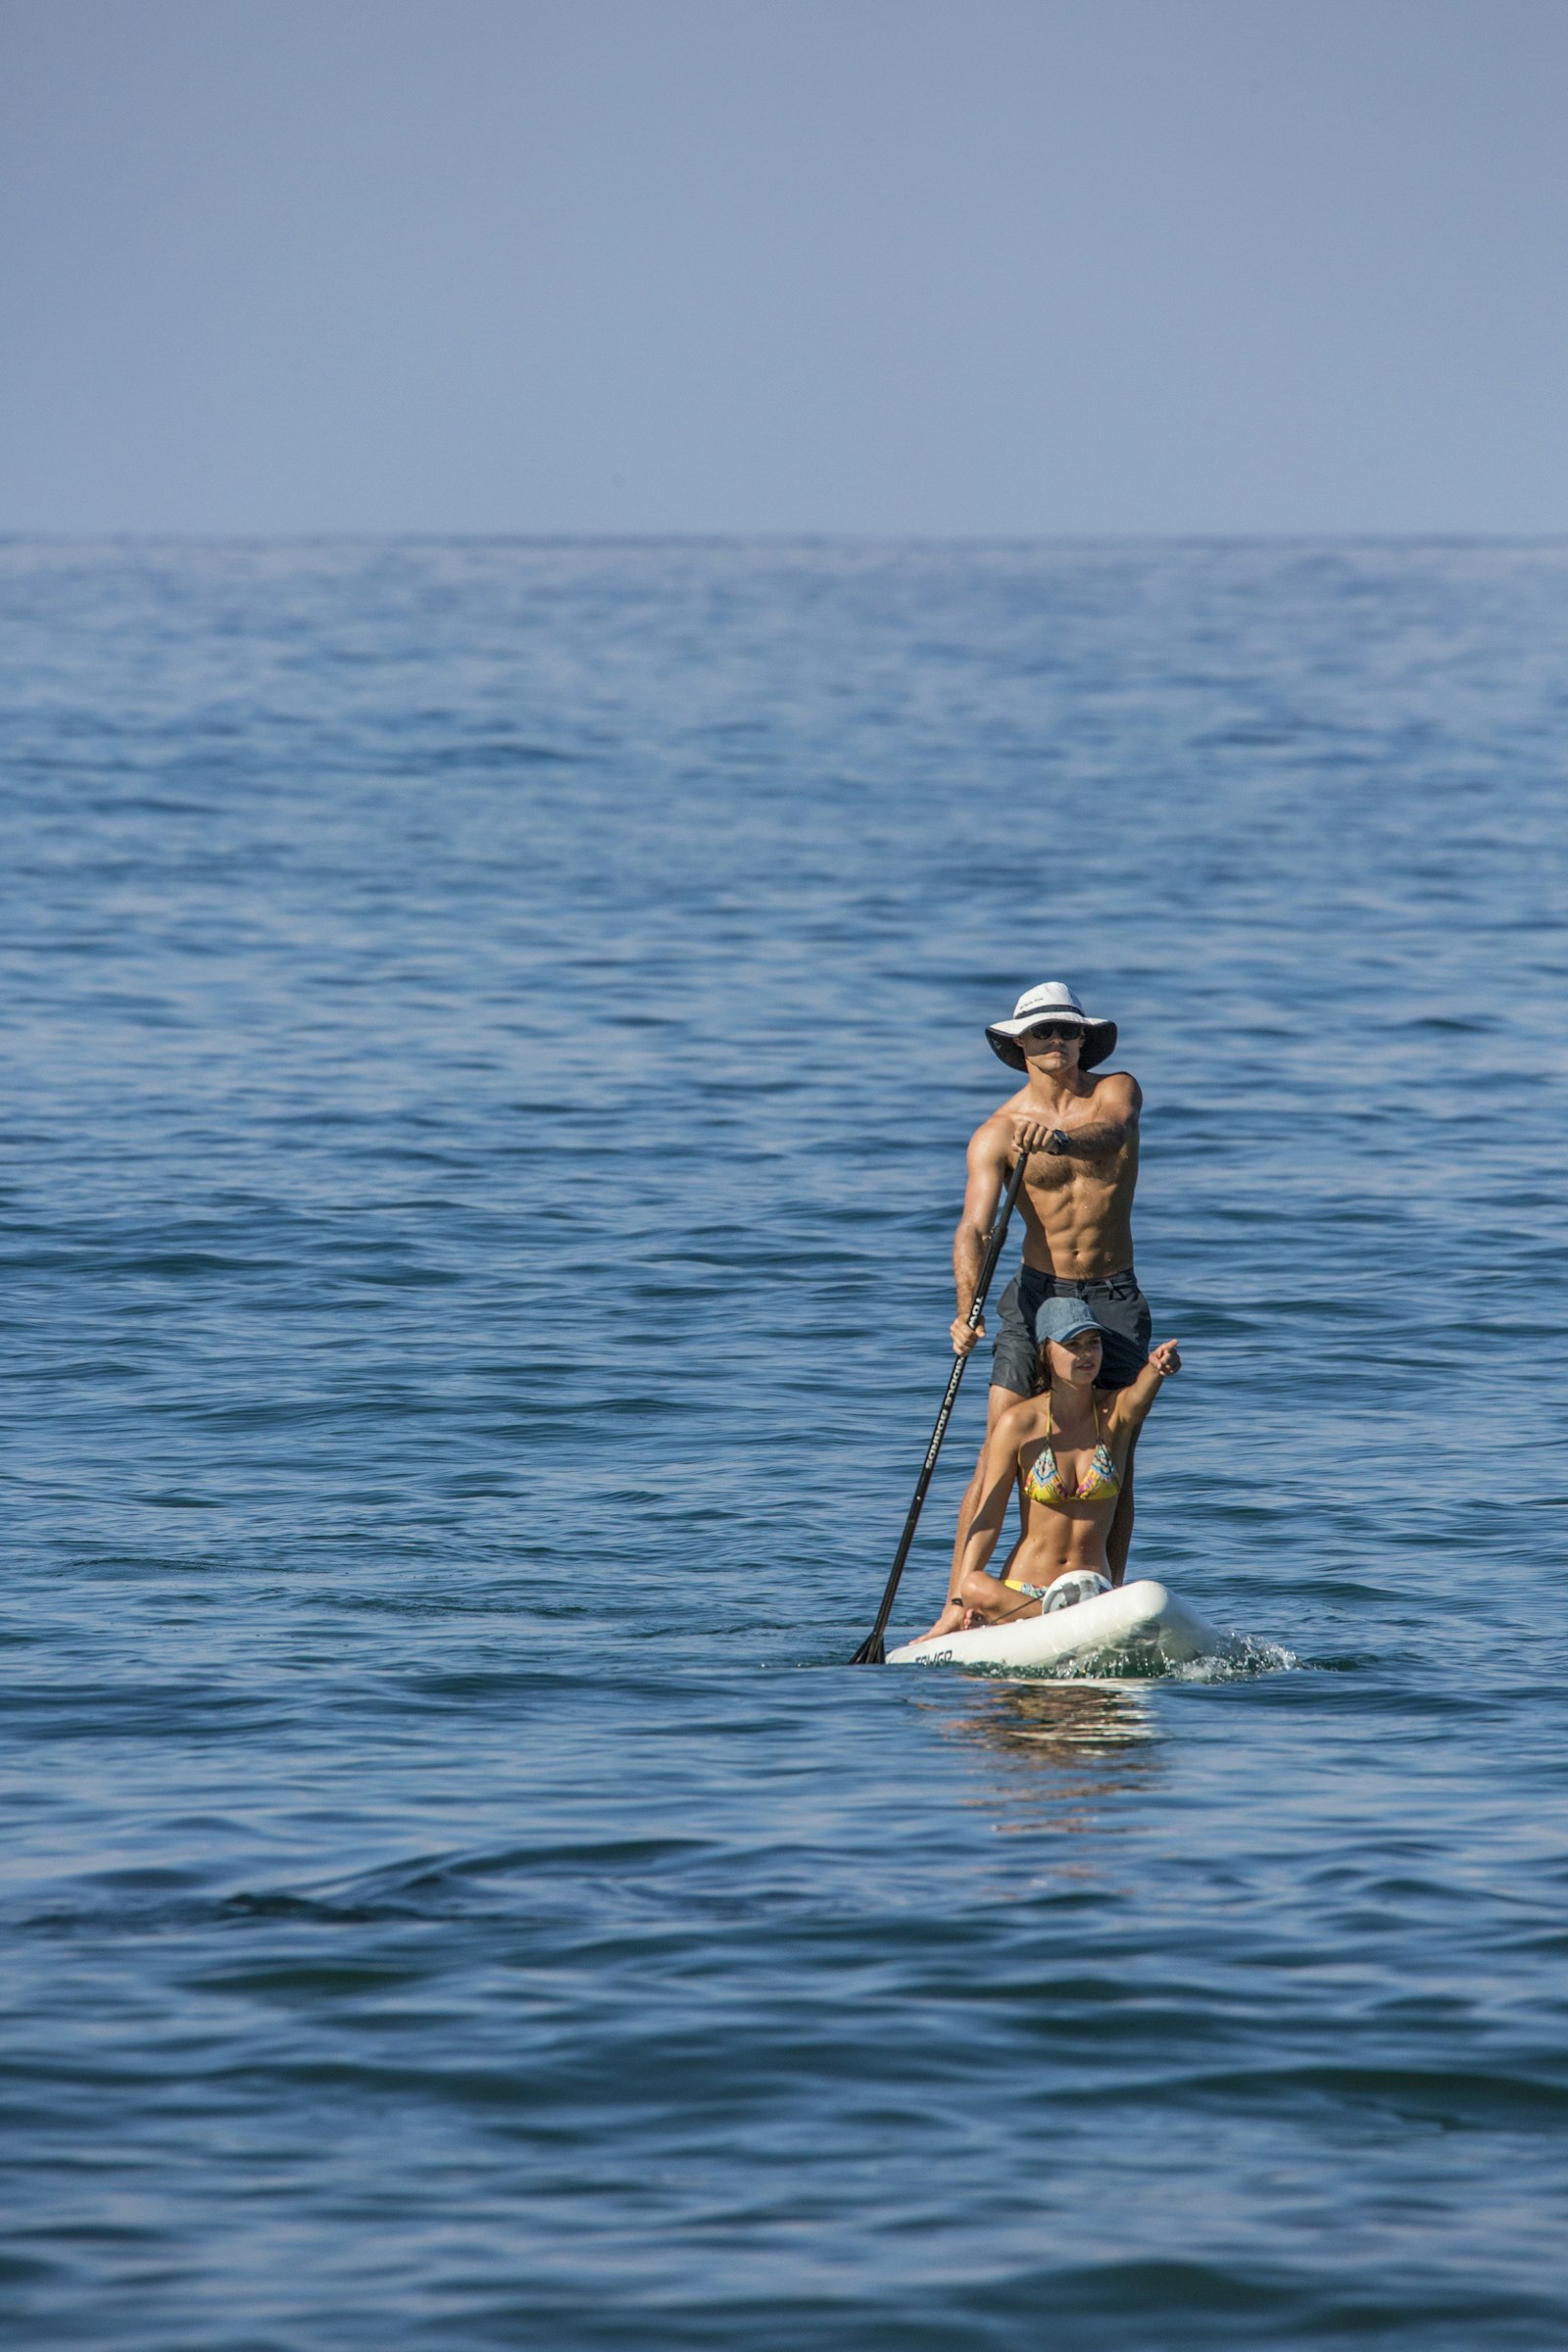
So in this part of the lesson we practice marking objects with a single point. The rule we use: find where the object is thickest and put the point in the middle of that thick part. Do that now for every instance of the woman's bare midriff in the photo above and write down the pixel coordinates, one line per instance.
(1057, 1538)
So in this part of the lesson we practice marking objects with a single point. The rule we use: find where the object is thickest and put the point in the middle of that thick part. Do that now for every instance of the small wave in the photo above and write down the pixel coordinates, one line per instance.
(1244, 1659)
(1247, 1659)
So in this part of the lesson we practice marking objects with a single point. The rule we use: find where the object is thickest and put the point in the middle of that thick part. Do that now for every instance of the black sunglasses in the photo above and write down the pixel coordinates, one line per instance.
(1057, 1032)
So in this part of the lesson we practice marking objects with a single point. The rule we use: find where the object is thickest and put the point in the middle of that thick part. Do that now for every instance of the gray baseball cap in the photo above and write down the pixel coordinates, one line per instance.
(1062, 1319)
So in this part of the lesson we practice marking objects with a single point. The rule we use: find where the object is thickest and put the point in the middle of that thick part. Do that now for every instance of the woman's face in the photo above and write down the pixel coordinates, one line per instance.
(1076, 1361)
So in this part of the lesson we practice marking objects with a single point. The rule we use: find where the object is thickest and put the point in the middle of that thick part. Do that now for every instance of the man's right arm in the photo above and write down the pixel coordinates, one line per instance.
(988, 1173)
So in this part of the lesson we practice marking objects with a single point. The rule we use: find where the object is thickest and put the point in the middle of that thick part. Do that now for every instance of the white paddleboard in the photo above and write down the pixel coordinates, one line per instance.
(1143, 1622)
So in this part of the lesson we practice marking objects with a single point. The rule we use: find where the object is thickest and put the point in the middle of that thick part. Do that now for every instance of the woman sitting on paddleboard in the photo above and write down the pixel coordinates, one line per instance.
(1065, 1448)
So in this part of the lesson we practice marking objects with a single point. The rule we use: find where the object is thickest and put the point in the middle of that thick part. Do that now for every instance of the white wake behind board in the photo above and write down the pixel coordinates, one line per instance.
(1142, 1623)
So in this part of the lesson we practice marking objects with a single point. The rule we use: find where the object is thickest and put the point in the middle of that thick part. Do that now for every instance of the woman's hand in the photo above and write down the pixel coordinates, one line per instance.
(951, 1621)
(1166, 1359)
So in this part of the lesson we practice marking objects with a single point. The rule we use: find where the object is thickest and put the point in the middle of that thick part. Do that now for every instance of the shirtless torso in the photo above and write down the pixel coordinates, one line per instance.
(1064, 1521)
(1081, 1135)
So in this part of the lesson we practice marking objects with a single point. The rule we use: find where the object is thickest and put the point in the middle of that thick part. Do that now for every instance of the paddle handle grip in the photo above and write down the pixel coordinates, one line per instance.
(871, 1652)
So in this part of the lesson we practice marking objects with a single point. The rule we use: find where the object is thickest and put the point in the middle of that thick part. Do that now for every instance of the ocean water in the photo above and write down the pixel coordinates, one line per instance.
(490, 1035)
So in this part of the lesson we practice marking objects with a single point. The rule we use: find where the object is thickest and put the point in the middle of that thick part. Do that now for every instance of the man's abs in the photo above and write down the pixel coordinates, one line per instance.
(1078, 1225)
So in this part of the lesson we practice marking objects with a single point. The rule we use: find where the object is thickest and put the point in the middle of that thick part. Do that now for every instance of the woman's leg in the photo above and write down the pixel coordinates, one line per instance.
(982, 1600)
(990, 1600)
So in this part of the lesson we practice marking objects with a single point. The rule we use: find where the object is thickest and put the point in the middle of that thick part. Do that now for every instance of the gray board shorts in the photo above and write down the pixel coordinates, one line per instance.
(1116, 1304)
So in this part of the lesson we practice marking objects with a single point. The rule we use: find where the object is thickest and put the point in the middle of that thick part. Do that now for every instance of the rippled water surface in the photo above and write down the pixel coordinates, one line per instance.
(491, 1032)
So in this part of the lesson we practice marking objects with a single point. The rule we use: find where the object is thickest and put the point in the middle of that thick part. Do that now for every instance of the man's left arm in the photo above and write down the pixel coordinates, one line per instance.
(1118, 1101)
(1096, 1141)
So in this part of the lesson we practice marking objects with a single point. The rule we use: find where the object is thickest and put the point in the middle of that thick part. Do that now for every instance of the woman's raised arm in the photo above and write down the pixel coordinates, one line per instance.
(1130, 1410)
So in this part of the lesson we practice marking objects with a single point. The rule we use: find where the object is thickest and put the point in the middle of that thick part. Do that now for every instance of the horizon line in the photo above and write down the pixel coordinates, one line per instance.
(770, 538)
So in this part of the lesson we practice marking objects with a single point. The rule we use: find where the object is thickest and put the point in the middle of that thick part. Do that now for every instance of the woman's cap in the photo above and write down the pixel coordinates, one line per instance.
(1052, 1001)
(1062, 1319)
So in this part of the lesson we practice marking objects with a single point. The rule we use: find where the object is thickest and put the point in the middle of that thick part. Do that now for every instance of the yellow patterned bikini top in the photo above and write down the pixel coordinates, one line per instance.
(1046, 1484)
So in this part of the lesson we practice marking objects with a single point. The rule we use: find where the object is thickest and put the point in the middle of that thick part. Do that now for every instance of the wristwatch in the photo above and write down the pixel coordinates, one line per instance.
(1058, 1142)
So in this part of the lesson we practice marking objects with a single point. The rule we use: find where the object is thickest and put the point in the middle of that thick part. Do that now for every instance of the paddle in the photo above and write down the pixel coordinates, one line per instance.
(871, 1651)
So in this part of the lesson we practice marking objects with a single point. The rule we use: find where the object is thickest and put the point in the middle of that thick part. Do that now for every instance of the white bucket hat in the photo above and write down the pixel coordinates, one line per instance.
(1052, 1001)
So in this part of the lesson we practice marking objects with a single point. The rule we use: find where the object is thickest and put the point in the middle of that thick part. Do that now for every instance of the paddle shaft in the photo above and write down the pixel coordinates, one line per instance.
(871, 1652)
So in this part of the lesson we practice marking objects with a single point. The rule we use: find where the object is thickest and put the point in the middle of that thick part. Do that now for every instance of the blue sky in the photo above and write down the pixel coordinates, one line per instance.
(887, 266)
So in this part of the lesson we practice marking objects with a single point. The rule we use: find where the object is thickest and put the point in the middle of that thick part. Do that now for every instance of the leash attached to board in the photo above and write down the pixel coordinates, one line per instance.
(871, 1651)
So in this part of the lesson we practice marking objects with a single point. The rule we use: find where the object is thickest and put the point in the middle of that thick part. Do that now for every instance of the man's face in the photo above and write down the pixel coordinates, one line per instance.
(1053, 1046)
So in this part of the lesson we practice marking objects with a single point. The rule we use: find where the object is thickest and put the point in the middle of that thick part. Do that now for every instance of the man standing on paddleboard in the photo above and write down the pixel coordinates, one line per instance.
(1079, 1126)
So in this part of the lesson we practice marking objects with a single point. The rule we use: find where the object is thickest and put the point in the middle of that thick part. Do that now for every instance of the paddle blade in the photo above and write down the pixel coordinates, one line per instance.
(870, 1653)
